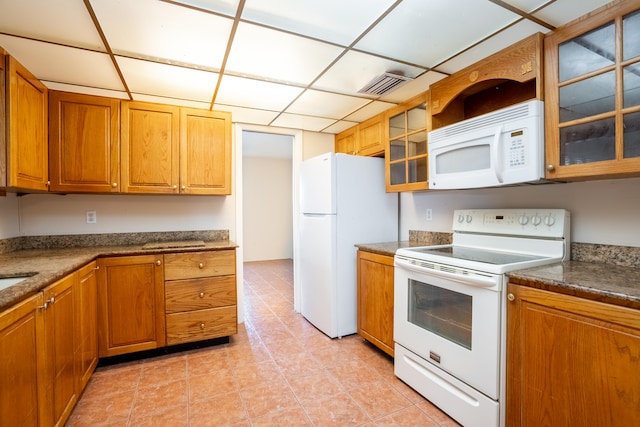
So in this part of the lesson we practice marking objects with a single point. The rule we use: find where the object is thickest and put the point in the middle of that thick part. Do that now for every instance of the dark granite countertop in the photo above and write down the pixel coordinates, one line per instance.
(599, 281)
(48, 265)
(385, 248)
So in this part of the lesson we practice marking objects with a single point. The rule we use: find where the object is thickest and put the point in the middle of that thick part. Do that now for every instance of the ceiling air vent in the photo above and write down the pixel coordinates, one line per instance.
(384, 84)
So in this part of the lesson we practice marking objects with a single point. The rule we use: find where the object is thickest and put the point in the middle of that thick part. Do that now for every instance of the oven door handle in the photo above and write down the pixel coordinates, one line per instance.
(476, 280)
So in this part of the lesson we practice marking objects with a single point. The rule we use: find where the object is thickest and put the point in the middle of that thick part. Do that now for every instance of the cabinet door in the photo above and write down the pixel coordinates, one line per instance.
(27, 129)
(131, 314)
(59, 338)
(406, 149)
(3, 124)
(375, 300)
(86, 325)
(370, 139)
(84, 143)
(205, 152)
(22, 364)
(592, 107)
(571, 361)
(149, 136)
(345, 141)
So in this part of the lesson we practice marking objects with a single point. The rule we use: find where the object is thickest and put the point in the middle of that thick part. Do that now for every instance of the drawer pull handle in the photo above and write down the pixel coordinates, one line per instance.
(201, 325)
(158, 262)
(201, 265)
(201, 294)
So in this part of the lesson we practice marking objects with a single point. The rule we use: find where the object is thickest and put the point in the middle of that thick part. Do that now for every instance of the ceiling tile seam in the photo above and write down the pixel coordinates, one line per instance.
(44, 81)
(103, 37)
(479, 42)
(198, 9)
(523, 14)
(232, 35)
(340, 56)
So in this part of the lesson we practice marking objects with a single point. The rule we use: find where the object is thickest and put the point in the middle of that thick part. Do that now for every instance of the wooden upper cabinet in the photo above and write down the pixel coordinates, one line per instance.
(149, 137)
(205, 152)
(3, 124)
(508, 77)
(27, 116)
(345, 141)
(84, 143)
(371, 141)
(592, 91)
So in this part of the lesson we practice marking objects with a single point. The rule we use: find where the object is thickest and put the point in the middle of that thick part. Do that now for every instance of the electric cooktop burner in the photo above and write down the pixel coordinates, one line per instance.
(479, 255)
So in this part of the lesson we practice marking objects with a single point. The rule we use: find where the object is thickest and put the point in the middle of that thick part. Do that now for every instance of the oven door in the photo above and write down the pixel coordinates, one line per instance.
(451, 319)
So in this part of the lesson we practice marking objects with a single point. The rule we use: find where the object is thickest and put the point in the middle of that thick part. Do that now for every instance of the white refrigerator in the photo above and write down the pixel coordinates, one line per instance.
(342, 203)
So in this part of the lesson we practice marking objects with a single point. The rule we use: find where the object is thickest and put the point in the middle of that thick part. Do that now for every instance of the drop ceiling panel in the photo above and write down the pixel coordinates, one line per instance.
(172, 101)
(563, 11)
(295, 121)
(371, 109)
(428, 32)
(61, 21)
(527, 6)
(271, 54)
(156, 29)
(492, 45)
(336, 21)
(356, 69)
(249, 93)
(152, 78)
(64, 64)
(323, 104)
(339, 126)
(226, 7)
(248, 115)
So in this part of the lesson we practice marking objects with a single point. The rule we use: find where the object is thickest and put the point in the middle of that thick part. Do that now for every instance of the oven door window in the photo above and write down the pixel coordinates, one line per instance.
(441, 311)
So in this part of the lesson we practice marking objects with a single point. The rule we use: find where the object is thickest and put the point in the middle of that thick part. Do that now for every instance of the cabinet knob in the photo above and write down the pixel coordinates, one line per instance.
(201, 294)
(201, 265)
(114, 185)
(175, 187)
(184, 187)
(97, 267)
(47, 303)
(201, 325)
(550, 167)
(158, 262)
(511, 297)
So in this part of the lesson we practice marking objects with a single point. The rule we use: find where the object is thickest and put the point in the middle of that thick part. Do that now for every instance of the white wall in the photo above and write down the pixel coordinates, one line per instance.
(605, 211)
(316, 144)
(9, 218)
(48, 214)
(267, 208)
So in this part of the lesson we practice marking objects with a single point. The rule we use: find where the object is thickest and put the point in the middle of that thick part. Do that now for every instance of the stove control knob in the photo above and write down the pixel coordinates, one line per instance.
(460, 218)
(536, 220)
(523, 220)
(549, 220)
(469, 218)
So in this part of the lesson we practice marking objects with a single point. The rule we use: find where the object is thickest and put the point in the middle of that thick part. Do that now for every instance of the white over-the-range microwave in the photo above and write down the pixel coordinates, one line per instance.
(504, 147)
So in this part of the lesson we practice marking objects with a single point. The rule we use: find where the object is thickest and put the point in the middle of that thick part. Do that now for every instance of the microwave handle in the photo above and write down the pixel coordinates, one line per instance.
(496, 157)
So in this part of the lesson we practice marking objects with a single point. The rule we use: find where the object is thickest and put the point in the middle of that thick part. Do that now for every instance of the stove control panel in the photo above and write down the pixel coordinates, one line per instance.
(551, 223)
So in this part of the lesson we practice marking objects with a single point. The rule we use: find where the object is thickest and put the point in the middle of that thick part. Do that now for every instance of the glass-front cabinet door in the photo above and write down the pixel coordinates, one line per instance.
(406, 158)
(592, 102)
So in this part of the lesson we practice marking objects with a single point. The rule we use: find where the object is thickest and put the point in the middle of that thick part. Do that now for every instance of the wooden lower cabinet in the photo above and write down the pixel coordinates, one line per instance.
(22, 364)
(86, 326)
(131, 314)
(201, 299)
(571, 361)
(375, 299)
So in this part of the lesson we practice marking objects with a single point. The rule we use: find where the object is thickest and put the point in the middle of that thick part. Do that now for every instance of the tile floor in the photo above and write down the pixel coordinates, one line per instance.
(278, 370)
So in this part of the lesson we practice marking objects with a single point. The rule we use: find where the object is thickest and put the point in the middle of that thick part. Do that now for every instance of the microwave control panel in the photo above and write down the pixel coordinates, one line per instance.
(517, 146)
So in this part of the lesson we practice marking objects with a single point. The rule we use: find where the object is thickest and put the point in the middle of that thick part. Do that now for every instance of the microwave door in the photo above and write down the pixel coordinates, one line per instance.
(471, 160)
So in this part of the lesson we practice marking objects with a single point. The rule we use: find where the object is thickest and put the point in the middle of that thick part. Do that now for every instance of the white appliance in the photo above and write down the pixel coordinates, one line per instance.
(342, 203)
(504, 147)
(450, 308)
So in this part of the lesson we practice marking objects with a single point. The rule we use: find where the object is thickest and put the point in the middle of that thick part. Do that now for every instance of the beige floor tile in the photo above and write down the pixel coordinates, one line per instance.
(268, 398)
(223, 410)
(203, 387)
(379, 399)
(338, 410)
(316, 386)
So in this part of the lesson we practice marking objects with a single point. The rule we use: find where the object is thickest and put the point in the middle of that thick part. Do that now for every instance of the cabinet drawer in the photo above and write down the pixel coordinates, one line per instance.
(201, 324)
(198, 294)
(191, 265)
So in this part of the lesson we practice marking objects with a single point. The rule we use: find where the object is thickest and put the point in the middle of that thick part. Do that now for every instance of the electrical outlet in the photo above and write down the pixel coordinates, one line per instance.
(92, 218)
(429, 214)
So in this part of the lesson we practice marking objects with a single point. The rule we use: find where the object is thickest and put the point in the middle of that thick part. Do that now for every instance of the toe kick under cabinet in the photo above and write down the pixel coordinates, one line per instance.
(200, 295)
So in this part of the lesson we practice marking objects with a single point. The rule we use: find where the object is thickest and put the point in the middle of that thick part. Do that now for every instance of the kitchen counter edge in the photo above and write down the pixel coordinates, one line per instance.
(50, 265)
(598, 281)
